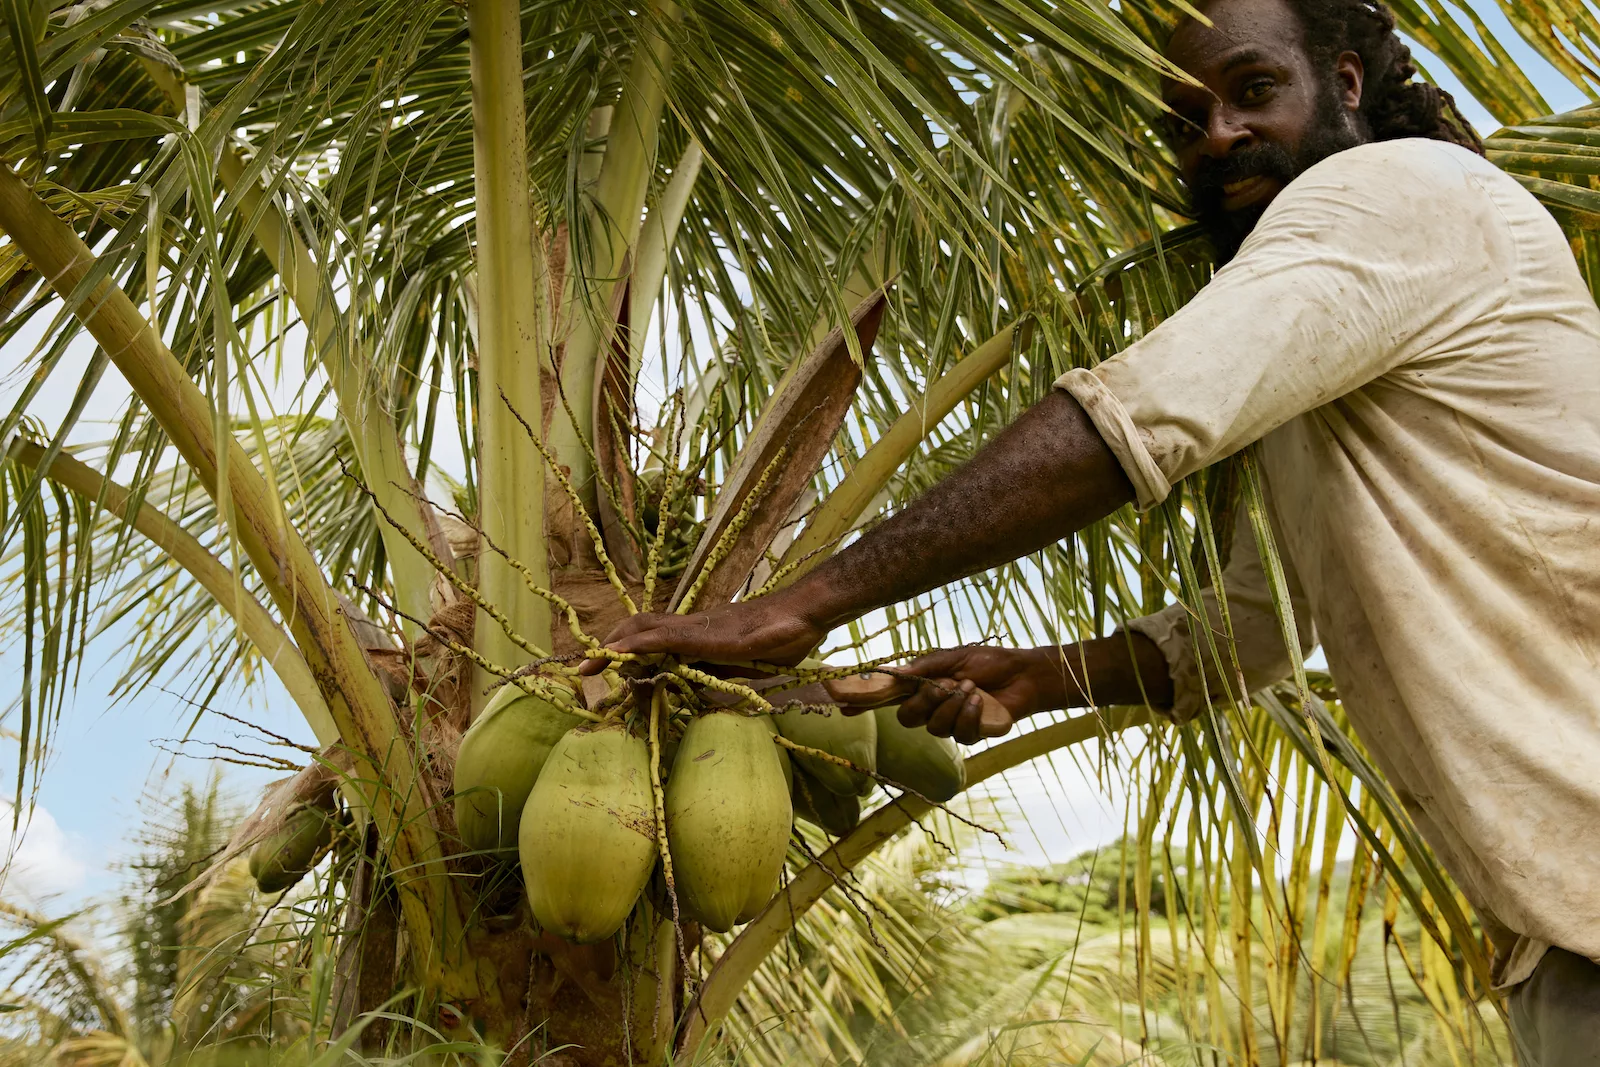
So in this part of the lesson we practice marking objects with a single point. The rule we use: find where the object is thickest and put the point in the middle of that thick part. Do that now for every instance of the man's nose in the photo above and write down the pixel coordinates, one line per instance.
(1225, 133)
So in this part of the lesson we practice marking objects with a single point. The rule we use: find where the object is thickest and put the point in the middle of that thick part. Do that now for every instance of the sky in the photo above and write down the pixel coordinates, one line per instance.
(109, 756)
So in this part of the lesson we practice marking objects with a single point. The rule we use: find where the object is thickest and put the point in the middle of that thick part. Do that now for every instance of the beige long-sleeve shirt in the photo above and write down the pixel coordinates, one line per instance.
(1408, 336)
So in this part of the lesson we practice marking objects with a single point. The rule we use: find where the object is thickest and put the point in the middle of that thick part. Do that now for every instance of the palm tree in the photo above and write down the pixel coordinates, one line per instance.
(694, 290)
(173, 973)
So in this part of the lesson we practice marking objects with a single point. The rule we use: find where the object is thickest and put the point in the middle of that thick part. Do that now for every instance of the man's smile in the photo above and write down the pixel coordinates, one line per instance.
(1248, 192)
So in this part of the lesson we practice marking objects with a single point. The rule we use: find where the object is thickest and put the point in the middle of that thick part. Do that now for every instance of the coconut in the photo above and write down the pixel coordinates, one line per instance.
(914, 758)
(587, 839)
(818, 806)
(500, 758)
(728, 818)
(825, 727)
(282, 858)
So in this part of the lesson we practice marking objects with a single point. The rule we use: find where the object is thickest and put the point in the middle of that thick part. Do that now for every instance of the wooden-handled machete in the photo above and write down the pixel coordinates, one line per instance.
(861, 692)
(874, 690)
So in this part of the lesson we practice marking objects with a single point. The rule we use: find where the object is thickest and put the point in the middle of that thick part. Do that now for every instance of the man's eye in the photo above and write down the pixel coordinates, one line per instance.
(1256, 90)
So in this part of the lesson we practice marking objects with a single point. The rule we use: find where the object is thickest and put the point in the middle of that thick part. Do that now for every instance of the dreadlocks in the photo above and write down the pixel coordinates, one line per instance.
(1392, 104)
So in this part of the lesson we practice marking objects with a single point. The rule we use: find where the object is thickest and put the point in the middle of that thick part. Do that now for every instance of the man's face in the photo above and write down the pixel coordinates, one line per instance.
(1261, 114)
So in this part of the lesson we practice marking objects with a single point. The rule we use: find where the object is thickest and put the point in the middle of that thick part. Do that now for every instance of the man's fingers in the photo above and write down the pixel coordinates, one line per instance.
(914, 711)
(643, 633)
(969, 728)
(943, 719)
(948, 708)
(942, 722)
(630, 633)
(917, 709)
(942, 663)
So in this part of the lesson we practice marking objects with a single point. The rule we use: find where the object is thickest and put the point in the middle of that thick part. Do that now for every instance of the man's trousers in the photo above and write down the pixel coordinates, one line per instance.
(1555, 1014)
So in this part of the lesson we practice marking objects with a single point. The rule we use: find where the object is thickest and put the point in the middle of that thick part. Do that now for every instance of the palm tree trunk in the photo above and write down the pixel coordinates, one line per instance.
(366, 973)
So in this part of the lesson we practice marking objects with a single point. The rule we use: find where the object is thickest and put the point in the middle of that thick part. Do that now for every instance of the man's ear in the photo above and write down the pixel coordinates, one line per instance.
(1350, 72)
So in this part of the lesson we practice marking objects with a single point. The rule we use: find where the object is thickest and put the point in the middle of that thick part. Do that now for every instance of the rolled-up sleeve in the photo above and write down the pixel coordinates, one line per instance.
(1353, 269)
(1263, 657)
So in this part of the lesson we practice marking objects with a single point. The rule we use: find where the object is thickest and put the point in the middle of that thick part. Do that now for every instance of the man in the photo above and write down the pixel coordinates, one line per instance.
(1404, 331)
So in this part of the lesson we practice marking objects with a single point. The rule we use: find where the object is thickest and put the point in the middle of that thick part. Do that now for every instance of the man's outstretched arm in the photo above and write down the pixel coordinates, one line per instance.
(939, 690)
(1046, 476)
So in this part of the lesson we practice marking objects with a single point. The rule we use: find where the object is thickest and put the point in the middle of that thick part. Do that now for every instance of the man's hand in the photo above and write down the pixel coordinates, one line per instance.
(1126, 668)
(950, 706)
(950, 688)
(773, 629)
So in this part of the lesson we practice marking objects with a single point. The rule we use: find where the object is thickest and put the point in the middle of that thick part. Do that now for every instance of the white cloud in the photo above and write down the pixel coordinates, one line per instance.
(40, 860)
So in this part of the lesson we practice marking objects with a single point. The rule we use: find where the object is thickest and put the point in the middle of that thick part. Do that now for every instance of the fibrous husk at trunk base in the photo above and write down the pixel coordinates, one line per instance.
(577, 576)
(446, 699)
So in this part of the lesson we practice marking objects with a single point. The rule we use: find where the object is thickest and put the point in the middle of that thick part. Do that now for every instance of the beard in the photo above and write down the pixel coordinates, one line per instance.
(1334, 128)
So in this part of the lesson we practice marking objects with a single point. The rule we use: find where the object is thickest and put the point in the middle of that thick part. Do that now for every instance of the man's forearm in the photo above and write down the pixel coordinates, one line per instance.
(941, 689)
(1125, 668)
(1045, 477)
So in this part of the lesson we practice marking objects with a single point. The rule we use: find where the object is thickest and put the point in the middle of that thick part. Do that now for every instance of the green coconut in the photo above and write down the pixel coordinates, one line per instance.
(587, 839)
(500, 758)
(837, 814)
(281, 859)
(914, 758)
(728, 818)
(826, 728)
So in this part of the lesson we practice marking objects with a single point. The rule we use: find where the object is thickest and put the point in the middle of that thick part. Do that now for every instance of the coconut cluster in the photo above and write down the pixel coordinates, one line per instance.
(593, 809)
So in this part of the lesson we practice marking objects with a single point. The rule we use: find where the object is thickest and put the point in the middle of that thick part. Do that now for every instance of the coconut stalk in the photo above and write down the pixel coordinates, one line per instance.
(849, 501)
(655, 250)
(800, 423)
(355, 698)
(511, 315)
